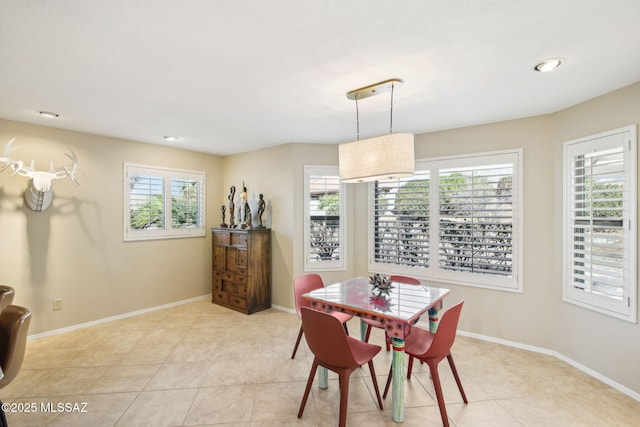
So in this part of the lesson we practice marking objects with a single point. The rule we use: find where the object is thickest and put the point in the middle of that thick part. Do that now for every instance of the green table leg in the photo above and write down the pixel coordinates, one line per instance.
(323, 377)
(397, 408)
(433, 320)
(363, 330)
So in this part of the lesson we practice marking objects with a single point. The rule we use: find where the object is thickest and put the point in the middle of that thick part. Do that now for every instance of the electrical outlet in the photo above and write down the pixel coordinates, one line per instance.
(57, 304)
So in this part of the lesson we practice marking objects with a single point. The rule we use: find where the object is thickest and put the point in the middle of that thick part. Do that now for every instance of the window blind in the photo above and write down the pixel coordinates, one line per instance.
(476, 219)
(146, 202)
(600, 236)
(324, 219)
(597, 222)
(401, 221)
(163, 203)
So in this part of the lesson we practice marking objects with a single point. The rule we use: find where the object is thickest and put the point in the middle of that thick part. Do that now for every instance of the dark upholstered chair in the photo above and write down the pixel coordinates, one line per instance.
(6, 296)
(14, 328)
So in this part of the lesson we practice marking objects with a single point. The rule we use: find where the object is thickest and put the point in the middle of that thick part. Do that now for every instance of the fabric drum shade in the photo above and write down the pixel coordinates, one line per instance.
(383, 157)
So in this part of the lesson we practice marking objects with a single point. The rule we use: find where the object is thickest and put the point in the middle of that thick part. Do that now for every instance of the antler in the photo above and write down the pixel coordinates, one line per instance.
(18, 167)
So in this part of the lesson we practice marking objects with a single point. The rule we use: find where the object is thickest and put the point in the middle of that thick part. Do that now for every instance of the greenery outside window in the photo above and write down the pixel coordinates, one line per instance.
(599, 223)
(457, 220)
(163, 203)
(324, 213)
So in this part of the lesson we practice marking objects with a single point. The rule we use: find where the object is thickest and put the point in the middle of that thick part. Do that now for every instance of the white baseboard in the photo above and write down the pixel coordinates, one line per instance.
(118, 317)
(586, 370)
(279, 307)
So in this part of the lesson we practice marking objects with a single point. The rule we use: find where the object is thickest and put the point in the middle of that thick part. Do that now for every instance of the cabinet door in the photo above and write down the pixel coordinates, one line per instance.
(242, 259)
(219, 257)
(232, 259)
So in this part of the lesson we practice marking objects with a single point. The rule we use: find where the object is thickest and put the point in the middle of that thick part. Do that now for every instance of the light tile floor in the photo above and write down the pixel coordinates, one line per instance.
(200, 364)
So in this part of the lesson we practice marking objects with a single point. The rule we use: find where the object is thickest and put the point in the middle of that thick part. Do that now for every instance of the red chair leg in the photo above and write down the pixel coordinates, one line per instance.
(295, 348)
(375, 383)
(433, 367)
(389, 377)
(312, 374)
(344, 394)
(410, 367)
(366, 336)
(455, 375)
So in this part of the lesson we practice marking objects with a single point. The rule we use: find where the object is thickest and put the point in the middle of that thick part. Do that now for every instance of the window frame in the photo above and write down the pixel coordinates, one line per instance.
(168, 232)
(433, 272)
(324, 265)
(625, 138)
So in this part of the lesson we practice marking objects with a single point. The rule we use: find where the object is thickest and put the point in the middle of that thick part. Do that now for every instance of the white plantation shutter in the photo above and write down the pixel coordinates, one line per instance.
(600, 199)
(146, 198)
(456, 221)
(401, 221)
(476, 219)
(324, 233)
(187, 203)
(163, 203)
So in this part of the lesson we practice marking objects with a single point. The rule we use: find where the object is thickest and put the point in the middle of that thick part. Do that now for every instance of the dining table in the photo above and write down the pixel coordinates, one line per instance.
(396, 309)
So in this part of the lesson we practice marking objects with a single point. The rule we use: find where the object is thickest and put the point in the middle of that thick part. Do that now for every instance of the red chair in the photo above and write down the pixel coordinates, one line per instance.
(302, 285)
(338, 352)
(432, 349)
(377, 324)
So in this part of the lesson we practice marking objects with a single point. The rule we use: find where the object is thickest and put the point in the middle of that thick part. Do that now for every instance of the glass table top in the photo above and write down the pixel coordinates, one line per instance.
(403, 302)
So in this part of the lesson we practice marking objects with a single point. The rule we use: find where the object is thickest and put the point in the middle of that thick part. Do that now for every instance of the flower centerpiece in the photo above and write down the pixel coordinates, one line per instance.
(381, 284)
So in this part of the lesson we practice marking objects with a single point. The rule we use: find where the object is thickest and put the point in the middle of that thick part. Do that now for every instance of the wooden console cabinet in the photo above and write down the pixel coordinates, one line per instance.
(242, 268)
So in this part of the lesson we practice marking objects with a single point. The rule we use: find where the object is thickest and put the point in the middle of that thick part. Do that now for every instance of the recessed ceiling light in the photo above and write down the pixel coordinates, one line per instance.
(548, 65)
(49, 114)
(170, 138)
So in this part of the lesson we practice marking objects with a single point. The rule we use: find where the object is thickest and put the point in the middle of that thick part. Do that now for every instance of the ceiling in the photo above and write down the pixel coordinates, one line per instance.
(231, 76)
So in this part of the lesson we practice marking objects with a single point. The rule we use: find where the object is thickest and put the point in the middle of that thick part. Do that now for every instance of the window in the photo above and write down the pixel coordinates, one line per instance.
(324, 229)
(599, 223)
(456, 220)
(163, 203)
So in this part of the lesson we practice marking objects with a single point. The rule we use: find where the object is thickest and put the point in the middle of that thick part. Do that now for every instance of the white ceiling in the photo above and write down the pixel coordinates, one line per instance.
(230, 76)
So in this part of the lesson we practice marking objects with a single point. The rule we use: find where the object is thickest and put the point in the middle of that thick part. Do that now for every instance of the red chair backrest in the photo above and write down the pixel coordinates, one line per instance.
(302, 285)
(446, 333)
(327, 338)
(404, 279)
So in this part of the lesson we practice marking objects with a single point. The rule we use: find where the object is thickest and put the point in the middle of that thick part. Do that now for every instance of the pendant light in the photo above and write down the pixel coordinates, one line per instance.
(382, 157)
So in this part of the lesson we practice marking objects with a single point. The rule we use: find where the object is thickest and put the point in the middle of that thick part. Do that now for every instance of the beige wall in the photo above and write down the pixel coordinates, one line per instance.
(522, 317)
(604, 344)
(269, 172)
(75, 251)
(536, 317)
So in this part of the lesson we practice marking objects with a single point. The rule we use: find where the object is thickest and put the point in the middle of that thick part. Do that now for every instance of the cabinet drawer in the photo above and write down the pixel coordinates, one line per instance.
(241, 285)
(239, 239)
(221, 238)
(217, 284)
(221, 297)
(238, 302)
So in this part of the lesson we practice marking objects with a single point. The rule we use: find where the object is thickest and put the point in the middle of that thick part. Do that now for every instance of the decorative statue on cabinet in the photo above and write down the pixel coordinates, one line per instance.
(39, 192)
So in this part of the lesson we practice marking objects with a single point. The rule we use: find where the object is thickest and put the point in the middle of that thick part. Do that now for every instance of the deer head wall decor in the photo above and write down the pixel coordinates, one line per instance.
(39, 192)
